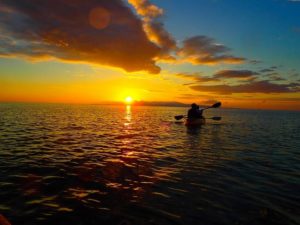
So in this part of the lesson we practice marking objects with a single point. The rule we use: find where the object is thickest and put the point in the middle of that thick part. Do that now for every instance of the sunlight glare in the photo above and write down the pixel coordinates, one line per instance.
(128, 100)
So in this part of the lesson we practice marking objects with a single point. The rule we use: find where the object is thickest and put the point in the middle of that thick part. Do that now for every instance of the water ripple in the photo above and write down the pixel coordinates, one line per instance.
(85, 164)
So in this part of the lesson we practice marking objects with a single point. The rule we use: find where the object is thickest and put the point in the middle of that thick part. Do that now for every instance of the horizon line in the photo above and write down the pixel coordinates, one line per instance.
(145, 103)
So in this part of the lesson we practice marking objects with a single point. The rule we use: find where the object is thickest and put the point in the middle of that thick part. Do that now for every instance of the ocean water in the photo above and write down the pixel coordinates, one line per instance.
(118, 165)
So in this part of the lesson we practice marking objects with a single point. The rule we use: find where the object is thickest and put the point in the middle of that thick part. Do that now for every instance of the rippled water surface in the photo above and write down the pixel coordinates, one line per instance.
(91, 164)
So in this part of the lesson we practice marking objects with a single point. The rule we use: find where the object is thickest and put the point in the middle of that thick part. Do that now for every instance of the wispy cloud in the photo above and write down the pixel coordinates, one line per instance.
(254, 61)
(204, 50)
(267, 70)
(296, 29)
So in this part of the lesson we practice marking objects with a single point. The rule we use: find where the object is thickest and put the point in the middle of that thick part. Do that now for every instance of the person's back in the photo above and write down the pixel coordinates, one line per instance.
(193, 113)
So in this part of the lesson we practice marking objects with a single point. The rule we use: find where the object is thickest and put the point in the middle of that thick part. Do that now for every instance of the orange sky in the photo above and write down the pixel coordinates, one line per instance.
(101, 52)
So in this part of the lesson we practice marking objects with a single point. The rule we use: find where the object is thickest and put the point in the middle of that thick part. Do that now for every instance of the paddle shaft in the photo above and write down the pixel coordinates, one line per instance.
(216, 105)
(210, 118)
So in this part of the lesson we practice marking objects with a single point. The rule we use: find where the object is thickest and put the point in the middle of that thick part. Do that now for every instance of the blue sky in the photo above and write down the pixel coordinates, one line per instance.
(266, 30)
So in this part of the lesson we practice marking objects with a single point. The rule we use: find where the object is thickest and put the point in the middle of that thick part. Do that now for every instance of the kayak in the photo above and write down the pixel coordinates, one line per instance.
(194, 122)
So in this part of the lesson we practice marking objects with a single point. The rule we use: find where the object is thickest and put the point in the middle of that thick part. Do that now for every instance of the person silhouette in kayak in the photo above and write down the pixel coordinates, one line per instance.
(195, 112)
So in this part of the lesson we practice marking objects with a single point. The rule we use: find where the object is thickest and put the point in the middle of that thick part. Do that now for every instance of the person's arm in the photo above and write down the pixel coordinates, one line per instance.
(199, 113)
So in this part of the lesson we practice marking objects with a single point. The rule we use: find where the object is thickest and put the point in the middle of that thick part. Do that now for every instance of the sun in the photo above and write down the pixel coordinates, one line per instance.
(128, 100)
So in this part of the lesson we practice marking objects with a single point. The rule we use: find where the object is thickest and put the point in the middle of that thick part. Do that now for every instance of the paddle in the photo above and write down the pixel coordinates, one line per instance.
(215, 118)
(211, 118)
(216, 105)
(179, 117)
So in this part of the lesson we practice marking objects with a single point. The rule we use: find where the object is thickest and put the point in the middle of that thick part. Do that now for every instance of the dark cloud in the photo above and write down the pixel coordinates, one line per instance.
(271, 69)
(296, 29)
(284, 99)
(193, 96)
(272, 74)
(188, 84)
(222, 75)
(202, 98)
(268, 70)
(204, 50)
(295, 75)
(254, 62)
(94, 31)
(251, 87)
(235, 74)
(196, 77)
(275, 77)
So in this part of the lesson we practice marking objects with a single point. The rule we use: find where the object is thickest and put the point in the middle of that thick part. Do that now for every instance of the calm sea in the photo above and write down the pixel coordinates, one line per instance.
(118, 165)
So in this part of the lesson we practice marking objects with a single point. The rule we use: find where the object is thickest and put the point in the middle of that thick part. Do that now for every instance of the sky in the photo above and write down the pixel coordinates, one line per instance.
(242, 53)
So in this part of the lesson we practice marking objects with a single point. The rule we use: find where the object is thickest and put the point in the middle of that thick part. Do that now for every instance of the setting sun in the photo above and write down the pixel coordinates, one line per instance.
(128, 100)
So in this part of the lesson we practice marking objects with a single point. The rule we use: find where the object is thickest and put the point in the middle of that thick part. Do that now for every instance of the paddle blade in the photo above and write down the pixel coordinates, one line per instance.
(179, 117)
(216, 118)
(216, 105)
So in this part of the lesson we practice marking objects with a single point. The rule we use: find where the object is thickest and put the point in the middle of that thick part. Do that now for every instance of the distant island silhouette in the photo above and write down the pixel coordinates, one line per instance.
(148, 103)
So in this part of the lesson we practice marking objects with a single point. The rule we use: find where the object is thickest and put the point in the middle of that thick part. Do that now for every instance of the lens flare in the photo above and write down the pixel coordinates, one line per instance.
(99, 18)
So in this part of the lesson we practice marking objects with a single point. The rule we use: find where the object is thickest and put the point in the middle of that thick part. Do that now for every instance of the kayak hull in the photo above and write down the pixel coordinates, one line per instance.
(194, 122)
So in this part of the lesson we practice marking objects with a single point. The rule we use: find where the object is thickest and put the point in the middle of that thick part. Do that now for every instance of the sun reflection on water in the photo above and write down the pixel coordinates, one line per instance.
(128, 115)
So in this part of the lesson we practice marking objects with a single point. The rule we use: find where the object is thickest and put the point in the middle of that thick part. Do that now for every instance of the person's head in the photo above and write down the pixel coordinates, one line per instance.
(194, 106)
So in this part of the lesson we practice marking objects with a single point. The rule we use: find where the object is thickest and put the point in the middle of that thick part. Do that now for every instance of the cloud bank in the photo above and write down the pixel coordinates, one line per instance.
(264, 86)
(245, 81)
(94, 31)
(100, 32)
